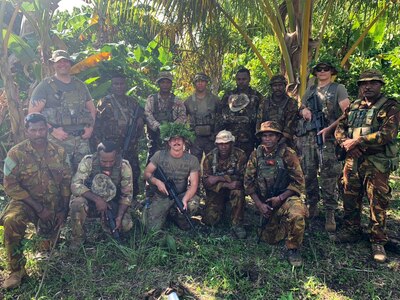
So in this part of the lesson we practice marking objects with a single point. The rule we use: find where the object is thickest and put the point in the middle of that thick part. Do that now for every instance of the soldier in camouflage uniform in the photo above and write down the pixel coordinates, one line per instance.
(86, 201)
(237, 112)
(179, 166)
(275, 181)
(68, 107)
(162, 107)
(332, 100)
(280, 108)
(201, 108)
(37, 179)
(368, 134)
(223, 170)
(114, 117)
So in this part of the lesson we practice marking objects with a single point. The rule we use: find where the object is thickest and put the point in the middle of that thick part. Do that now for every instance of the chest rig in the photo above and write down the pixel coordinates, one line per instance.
(202, 121)
(231, 168)
(164, 115)
(327, 101)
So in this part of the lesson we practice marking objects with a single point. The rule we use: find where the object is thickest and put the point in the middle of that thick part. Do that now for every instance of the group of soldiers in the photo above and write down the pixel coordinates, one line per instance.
(244, 144)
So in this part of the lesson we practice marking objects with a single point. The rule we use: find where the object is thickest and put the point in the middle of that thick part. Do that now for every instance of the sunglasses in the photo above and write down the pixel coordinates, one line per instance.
(320, 69)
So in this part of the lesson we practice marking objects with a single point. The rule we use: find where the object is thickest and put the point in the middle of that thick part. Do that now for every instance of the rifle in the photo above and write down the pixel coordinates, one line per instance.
(318, 122)
(129, 130)
(172, 193)
(111, 223)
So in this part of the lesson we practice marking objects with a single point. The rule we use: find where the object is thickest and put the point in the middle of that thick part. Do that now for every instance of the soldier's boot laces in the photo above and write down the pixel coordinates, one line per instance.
(294, 257)
(14, 279)
(330, 223)
(379, 253)
(313, 210)
(239, 231)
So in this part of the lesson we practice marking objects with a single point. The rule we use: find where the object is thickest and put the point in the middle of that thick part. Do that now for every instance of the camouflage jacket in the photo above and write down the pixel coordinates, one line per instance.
(284, 112)
(178, 110)
(233, 167)
(291, 163)
(114, 114)
(84, 172)
(44, 177)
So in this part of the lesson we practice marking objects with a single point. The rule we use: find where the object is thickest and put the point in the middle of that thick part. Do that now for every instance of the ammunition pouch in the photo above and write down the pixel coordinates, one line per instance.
(203, 130)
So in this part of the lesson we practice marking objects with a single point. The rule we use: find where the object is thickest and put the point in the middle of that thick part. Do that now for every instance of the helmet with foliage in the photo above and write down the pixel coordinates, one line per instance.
(170, 130)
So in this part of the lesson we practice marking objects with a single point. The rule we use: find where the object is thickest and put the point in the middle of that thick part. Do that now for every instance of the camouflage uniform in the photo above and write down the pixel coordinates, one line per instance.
(259, 178)
(376, 126)
(45, 178)
(241, 123)
(329, 97)
(80, 207)
(232, 168)
(66, 107)
(201, 113)
(157, 111)
(161, 207)
(114, 115)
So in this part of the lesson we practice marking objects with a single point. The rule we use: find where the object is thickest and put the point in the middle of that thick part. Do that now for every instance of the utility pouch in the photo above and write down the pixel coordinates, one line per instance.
(202, 130)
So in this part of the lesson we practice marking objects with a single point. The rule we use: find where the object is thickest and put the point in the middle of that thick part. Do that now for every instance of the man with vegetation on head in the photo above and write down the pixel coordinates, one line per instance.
(223, 170)
(237, 112)
(180, 167)
(66, 103)
(161, 107)
(275, 181)
(102, 182)
(201, 108)
(115, 113)
(280, 108)
(37, 178)
(368, 133)
(331, 101)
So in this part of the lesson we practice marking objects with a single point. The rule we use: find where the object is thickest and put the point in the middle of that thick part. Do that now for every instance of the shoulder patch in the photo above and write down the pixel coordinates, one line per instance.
(9, 165)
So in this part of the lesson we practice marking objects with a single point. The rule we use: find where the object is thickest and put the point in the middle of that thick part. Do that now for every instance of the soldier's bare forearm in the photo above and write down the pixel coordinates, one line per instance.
(122, 208)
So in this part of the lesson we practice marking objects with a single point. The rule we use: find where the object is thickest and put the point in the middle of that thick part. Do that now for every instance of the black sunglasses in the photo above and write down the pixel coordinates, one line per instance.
(320, 69)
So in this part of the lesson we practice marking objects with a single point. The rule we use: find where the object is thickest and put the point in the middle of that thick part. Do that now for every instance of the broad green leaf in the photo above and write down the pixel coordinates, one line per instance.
(20, 48)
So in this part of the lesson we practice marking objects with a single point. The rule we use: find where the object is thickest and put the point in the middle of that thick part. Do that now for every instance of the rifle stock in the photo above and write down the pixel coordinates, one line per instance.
(129, 130)
(112, 225)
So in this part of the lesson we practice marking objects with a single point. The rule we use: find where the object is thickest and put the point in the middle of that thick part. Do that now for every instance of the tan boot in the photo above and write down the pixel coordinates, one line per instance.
(379, 253)
(330, 223)
(14, 279)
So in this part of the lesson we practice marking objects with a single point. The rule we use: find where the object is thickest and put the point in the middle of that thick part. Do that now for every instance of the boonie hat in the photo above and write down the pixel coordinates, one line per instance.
(370, 75)
(334, 71)
(238, 102)
(60, 54)
(103, 186)
(278, 79)
(164, 75)
(269, 126)
(224, 136)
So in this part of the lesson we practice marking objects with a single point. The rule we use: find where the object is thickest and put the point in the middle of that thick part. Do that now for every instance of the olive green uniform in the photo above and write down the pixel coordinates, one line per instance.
(233, 169)
(46, 178)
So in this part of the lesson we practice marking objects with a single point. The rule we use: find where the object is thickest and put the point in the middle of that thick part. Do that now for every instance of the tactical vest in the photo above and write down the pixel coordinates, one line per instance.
(329, 104)
(363, 121)
(118, 115)
(276, 115)
(201, 121)
(233, 161)
(69, 109)
(267, 170)
(164, 115)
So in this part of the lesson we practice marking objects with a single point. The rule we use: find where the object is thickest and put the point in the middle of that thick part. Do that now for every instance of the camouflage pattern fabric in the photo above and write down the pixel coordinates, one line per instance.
(369, 174)
(329, 172)
(113, 115)
(217, 196)
(202, 146)
(44, 178)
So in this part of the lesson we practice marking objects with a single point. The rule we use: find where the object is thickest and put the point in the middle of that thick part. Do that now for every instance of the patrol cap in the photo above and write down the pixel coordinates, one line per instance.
(334, 71)
(370, 75)
(164, 75)
(224, 136)
(278, 79)
(201, 76)
(103, 186)
(238, 102)
(60, 54)
(269, 126)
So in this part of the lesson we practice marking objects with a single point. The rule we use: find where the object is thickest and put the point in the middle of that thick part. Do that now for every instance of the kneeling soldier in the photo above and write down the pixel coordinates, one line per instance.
(275, 182)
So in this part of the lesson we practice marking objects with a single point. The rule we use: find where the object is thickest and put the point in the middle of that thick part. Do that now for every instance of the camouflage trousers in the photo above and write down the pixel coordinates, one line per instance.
(361, 177)
(328, 173)
(15, 219)
(75, 147)
(132, 157)
(216, 205)
(81, 208)
(154, 143)
(288, 221)
(161, 209)
(202, 144)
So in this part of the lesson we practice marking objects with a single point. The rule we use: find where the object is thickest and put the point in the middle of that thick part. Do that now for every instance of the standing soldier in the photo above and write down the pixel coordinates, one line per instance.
(162, 107)
(275, 182)
(322, 103)
(237, 112)
(223, 170)
(116, 114)
(37, 178)
(368, 134)
(66, 103)
(103, 182)
(201, 107)
(280, 108)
